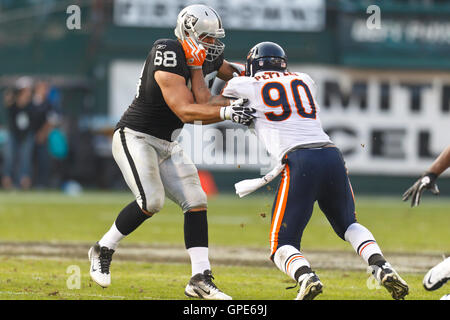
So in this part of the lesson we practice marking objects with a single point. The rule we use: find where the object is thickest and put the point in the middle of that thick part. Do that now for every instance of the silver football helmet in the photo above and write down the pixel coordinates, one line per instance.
(198, 22)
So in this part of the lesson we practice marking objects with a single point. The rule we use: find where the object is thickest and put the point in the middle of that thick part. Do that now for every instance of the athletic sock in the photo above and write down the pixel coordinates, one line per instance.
(126, 222)
(362, 241)
(111, 238)
(199, 259)
(290, 260)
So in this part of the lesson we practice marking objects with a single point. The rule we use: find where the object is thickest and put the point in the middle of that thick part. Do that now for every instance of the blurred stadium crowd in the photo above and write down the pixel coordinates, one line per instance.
(33, 139)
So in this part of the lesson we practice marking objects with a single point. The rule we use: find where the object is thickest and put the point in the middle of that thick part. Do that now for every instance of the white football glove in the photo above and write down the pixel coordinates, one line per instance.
(238, 112)
(427, 181)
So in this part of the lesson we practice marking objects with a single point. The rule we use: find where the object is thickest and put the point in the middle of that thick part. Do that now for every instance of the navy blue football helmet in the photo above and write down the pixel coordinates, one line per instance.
(265, 56)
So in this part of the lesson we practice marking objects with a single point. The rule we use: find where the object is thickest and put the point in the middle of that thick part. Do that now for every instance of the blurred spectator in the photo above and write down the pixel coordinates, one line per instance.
(19, 146)
(45, 118)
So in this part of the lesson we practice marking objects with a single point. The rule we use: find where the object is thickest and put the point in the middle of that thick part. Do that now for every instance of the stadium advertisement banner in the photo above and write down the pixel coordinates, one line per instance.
(295, 15)
(402, 39)
(384, 122)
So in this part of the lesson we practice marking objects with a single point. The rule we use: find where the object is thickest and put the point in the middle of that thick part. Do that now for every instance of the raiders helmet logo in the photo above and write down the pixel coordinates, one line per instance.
(190, 21)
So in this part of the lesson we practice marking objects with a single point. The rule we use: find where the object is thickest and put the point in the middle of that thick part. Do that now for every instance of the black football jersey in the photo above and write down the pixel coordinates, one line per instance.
(149, 113)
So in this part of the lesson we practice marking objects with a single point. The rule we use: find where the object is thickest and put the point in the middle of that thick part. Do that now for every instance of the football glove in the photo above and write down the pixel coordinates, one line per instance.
(195, 53)
(426, 181)
(238, 112)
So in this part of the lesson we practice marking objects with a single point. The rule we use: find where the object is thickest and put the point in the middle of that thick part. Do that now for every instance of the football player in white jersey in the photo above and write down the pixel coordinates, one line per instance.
(287, 121)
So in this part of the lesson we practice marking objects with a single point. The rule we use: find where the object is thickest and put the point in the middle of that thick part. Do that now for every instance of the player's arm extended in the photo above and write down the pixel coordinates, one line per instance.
(229, 70)
(441, 163)
(181, 101)
(219, 101)
(201, 91)
(428, 179)
(199, 88)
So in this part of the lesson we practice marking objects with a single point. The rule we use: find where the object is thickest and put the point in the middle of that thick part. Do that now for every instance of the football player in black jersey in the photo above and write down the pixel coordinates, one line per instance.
(144, 147)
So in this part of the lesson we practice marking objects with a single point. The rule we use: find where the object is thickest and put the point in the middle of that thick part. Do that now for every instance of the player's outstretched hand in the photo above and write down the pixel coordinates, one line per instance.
(238, 112)
(426, 181)
(195, 53)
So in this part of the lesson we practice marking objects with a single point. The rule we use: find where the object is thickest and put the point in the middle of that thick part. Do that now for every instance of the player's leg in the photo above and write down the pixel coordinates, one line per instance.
(336, 200)
(138, 162)
(182, 185)
(290, 214)
(365, 245)
(437, 276)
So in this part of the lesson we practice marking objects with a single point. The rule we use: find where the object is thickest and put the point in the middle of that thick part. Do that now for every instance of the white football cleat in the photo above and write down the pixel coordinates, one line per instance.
(100, 258)
(437, 276)
(446, 297)
(310, 286)
(390, 279)
(201, 286)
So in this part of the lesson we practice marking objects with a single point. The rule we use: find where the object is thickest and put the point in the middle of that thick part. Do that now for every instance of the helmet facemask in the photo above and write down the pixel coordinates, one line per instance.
(213, 50)
(265, 64)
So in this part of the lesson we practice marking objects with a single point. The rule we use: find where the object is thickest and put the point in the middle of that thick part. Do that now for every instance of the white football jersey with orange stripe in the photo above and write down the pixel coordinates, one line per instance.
(287, 113)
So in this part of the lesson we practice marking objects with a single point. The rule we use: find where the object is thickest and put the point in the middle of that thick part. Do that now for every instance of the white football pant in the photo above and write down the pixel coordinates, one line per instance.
(153, 168)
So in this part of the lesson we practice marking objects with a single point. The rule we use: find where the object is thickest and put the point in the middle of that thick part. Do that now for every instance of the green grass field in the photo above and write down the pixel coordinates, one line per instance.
(233, 222)
(46, 279)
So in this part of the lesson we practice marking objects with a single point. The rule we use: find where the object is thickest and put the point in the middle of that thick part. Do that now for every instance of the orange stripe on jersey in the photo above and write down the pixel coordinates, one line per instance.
(280, 207)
